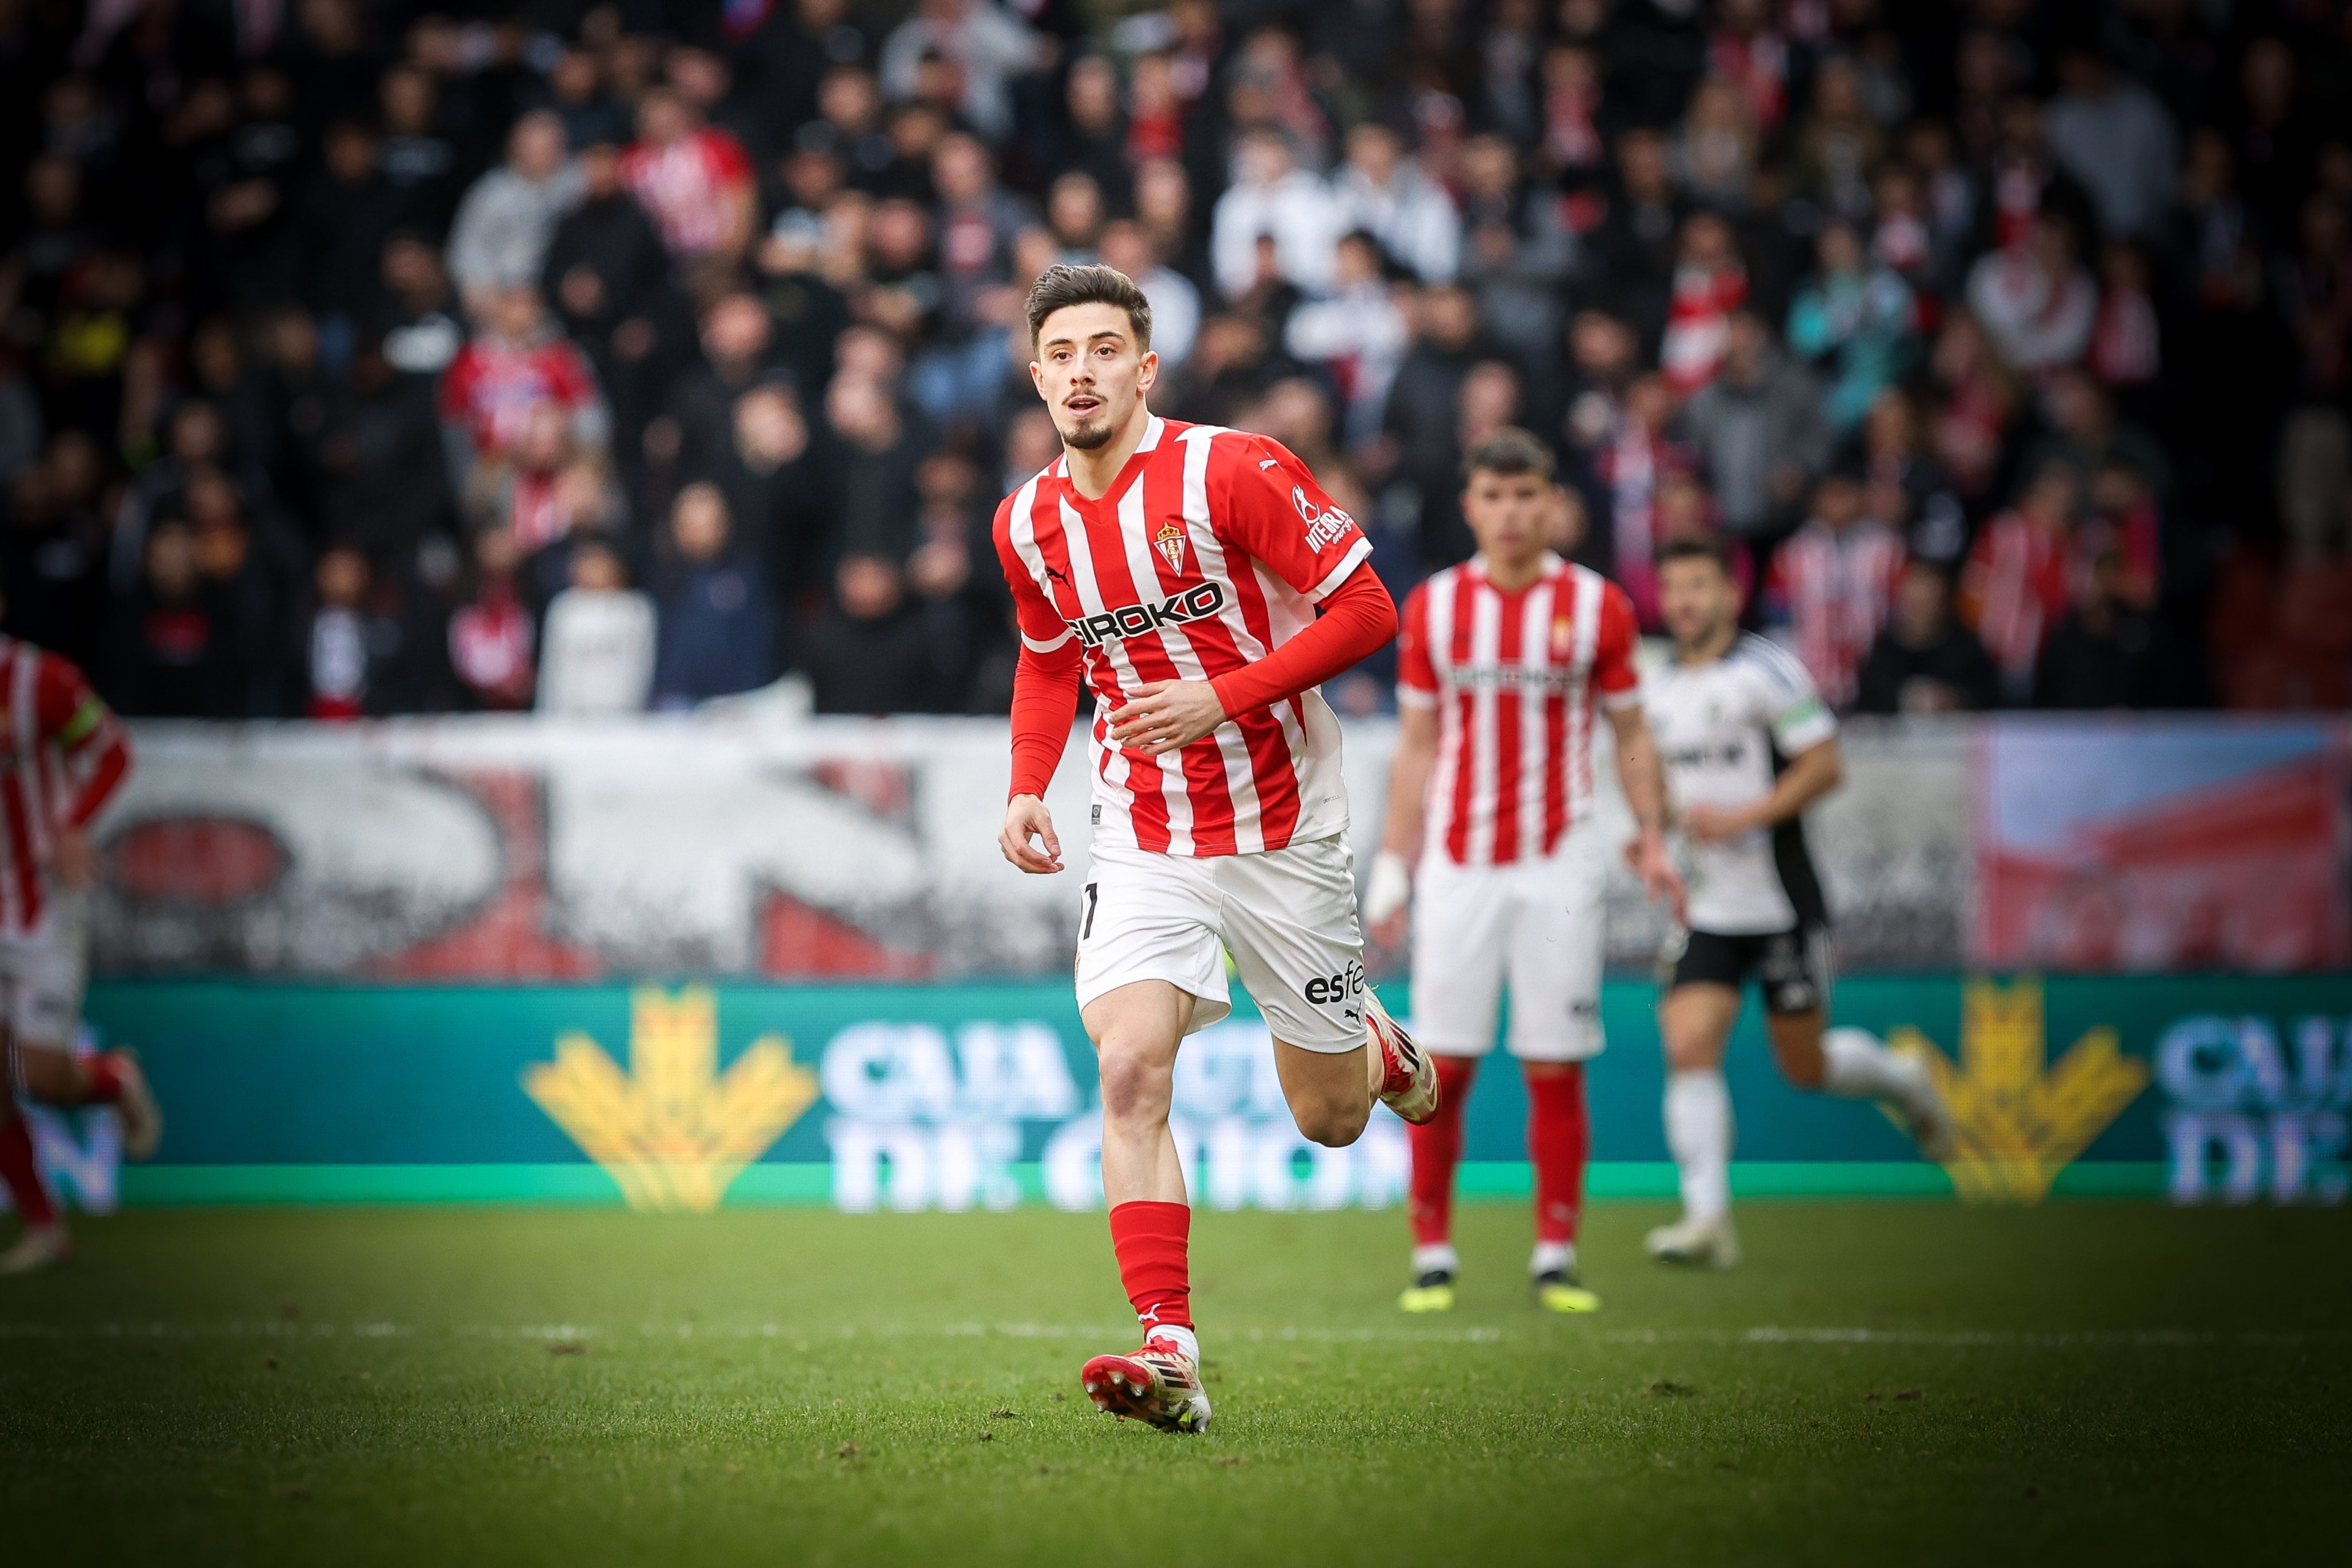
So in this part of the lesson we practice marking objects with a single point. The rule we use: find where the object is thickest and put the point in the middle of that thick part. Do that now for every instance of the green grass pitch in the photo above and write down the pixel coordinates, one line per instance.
(1888, 1382)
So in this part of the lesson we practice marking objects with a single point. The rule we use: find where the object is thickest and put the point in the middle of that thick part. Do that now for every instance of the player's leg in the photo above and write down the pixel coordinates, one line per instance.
(1458, 929)
(1288, 917)
(43, 1240)
(1851, 1063)
(1555, 951)
(1695, 1019)
(1150, 971)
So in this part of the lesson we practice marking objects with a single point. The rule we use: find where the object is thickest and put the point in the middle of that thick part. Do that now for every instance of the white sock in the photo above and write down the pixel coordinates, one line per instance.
(1698, 1131)
(1551, 1257)
(1427, 1260)
(1857, 1065)
(1185, 1338)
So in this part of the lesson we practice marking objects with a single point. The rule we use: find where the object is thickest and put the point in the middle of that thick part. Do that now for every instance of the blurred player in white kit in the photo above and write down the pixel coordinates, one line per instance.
(1748, 745)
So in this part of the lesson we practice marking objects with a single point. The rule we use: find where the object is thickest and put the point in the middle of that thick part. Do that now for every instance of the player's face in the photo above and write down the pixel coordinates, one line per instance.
(1507, 513)
(1697, 600)
(1091, 373)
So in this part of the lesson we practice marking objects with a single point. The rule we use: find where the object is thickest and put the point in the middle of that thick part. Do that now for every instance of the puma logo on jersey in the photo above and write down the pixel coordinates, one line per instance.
(1266, 463)
(1195, 603)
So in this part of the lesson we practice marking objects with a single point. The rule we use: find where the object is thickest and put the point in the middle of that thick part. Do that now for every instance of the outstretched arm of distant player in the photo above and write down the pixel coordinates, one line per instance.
(1358, 617)
(1409, 771)
(1811, 774)
(1644, 783)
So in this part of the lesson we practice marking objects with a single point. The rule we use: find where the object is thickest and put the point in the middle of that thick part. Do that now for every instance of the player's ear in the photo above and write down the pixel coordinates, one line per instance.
(1147, 371)
(1037, 379)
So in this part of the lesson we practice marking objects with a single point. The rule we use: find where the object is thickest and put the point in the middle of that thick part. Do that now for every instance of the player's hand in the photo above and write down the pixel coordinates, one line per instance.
(1715, 824)
(1646, 853)
(1166, 715)
(1385, 898)
(74, 859)
(1026, 817)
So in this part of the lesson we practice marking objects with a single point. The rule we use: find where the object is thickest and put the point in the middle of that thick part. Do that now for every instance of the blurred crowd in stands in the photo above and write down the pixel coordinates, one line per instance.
(365, 357)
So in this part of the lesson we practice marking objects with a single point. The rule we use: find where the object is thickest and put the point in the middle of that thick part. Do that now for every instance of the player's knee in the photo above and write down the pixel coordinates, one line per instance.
(1133, 1086)
(1331, 1123)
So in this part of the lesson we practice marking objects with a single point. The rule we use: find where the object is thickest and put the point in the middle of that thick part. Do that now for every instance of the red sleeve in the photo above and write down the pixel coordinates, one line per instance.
(1276, 511)
(1416, 673)
(1613, 674)
(97, 752)
(1358, 617)
(728, 159)
(1045, 679)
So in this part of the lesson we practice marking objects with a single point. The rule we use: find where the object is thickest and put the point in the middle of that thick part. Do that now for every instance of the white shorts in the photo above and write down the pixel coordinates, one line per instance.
(1534, 923)
(1288, 915)
(41, 977)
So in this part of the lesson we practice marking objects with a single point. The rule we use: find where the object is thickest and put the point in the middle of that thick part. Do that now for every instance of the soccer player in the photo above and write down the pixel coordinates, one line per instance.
(1503, 660)
(62, 756)
(1202, 582)
(1748, 745)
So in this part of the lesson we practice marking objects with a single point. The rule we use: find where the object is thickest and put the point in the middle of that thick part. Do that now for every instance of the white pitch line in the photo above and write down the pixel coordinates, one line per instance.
(1760, 1336)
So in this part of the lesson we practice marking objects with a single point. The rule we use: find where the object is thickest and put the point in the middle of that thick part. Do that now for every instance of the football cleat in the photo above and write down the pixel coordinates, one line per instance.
(143, 1119)
(1431, 1291)
(1408, 1077)
(1559, 1290)
(1922, 1112)
(1159, 1385)
(1705, 1243)
(40, 1247)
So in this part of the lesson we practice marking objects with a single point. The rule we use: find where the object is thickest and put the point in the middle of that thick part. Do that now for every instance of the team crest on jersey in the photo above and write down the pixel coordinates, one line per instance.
(1169, 542)
(1563, 635)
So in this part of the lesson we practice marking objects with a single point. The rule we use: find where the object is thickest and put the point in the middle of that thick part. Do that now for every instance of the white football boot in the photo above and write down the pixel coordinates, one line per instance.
(1704, 1243)
(40, 1247)
(1159, 1385)
(1408, 1076)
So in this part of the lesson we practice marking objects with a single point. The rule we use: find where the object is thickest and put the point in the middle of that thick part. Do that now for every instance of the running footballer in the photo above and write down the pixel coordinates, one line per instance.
(1177, 570)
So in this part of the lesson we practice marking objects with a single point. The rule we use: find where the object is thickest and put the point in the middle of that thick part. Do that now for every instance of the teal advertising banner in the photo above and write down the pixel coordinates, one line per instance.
(984, 1095)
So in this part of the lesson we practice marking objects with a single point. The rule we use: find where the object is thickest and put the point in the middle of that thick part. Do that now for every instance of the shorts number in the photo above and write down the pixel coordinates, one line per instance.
(1088, 929)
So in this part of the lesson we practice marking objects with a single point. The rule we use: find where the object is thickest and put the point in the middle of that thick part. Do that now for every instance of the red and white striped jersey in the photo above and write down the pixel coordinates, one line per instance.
(1210, 550)
(64, 757)
(1514, 678)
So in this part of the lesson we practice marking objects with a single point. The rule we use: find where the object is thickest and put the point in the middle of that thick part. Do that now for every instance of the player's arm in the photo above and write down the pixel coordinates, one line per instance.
(97, 754)
(1639, 773)
(1270, 507)
(1044, 704)
(1408, 771)
(1804, 731)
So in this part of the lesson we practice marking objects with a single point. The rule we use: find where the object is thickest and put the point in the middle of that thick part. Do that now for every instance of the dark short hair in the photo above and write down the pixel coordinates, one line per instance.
(1060, 287)
(1696, 547)
(1510, 453)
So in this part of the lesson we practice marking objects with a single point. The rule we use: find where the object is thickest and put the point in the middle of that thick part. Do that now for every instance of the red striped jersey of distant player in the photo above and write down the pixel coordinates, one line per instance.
(65, 757)
(1515, 677)
(1209, 551)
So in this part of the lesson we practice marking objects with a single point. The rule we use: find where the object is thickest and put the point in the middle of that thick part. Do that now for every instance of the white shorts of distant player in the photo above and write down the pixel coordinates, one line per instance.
(1534, 923)
(1287, 915)
(42, 974)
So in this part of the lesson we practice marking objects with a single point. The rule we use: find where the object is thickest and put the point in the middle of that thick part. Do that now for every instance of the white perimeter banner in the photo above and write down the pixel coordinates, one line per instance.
(739, 844)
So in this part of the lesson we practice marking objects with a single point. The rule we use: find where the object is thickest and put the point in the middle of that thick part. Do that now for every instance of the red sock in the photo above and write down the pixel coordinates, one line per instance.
(1151, 1239)
(22, 1177)
(1436, 1150)
(1559, 1134)
(105, 1080)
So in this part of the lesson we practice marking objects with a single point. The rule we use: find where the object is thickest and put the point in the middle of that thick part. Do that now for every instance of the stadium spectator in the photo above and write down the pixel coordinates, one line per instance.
(1381, 191)
(873, 652)
(2015, 586)
(1710, 282)
(1853, 318)
(2115, 137)
(503, 225)
(715, 630)
(983, 48)
(1833, 584)
(2034, 298)
(1272, 198)
(1758, 429)
(492, 639)
(597, 654)
(505, 370)
(2099, 655)
(695, 180)
(1924, 660)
